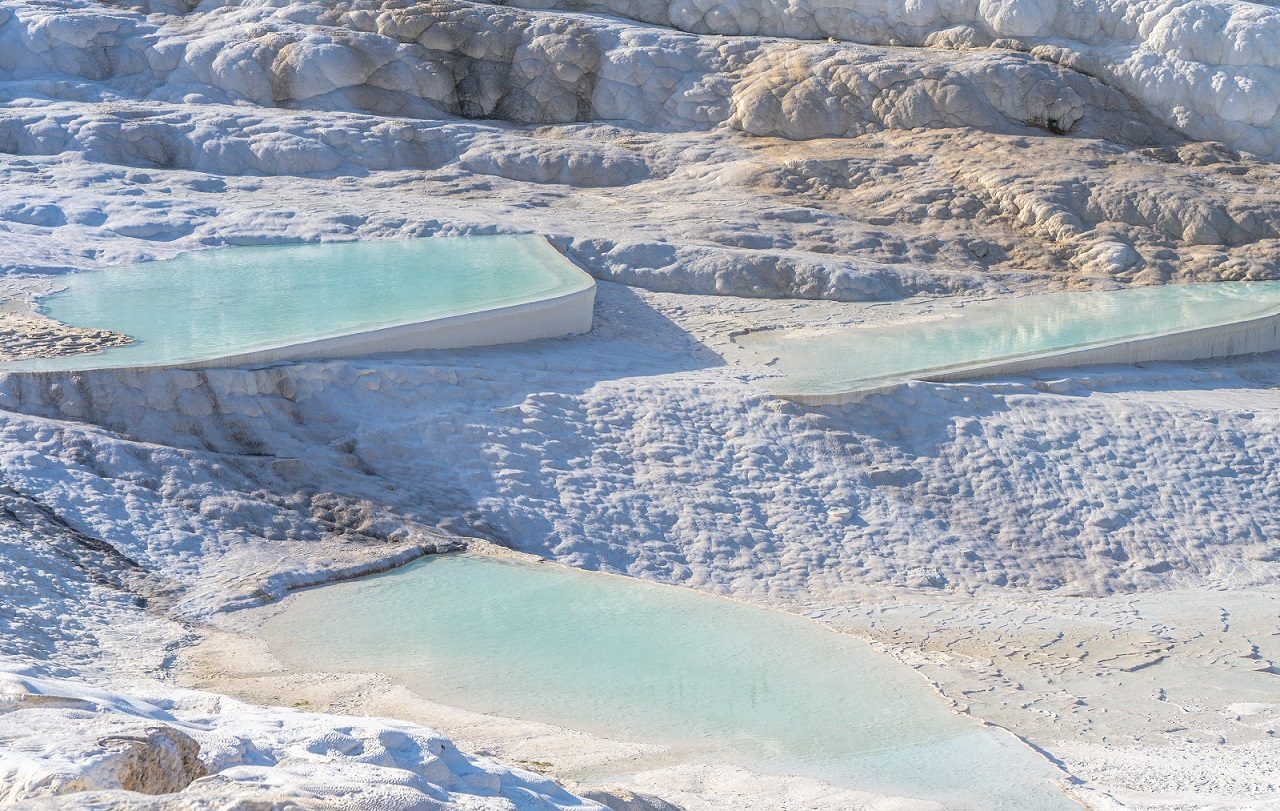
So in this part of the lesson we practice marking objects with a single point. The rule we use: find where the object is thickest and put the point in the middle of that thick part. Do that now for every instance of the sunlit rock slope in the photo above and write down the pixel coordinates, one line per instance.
(847, 150)
(849, 142)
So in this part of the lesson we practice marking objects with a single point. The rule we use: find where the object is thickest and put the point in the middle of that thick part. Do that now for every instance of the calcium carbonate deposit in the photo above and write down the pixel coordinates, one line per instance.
(1085, 562)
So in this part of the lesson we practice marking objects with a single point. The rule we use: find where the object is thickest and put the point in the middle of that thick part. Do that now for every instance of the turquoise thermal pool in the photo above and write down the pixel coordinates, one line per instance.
(217, 303)
(715, 679)
(835, 360)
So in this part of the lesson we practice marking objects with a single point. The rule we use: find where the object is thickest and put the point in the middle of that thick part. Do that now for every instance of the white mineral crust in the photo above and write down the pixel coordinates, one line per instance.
(1087, 559)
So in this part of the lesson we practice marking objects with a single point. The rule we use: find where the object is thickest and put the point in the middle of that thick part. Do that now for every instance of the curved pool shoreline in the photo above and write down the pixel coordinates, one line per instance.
(712, 680)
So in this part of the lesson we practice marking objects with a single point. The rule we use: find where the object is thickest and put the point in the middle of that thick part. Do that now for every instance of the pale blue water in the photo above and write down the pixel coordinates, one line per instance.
(210, 304)
(842, 359)
(717, 679)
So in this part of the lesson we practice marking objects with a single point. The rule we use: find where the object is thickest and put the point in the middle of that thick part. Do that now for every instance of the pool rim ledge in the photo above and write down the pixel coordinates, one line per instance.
(1245, 337)
(561, 315)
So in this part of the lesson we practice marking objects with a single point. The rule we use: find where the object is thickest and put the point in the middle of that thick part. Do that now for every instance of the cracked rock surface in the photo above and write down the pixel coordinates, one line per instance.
(1087, 560)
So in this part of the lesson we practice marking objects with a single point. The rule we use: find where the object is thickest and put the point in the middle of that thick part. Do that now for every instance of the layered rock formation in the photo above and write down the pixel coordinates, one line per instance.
(821, 149)
(990, 141)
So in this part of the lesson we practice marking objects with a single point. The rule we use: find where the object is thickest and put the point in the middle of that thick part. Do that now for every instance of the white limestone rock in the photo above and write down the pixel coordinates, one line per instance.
(1208, 67)
(74, 745)
(475, 60)
(540, 160)
(836, 92)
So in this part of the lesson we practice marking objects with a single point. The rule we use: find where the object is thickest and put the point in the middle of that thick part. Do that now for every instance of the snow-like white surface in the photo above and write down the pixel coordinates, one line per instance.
(66, 739)
(1008, 531)
(634, 449)
(911, 199)
(1207, 67)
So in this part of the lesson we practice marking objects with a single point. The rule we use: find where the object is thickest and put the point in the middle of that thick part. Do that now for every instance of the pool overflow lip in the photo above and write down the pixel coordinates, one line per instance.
(1253, 335)
(446, 332)
(565, 310)
(569, 310)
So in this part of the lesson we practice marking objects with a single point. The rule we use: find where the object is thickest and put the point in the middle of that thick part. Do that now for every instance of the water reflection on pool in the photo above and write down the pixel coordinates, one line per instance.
(834, 360)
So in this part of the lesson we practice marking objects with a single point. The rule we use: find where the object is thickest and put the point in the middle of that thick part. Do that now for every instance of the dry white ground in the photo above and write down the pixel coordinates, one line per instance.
(1090, 560)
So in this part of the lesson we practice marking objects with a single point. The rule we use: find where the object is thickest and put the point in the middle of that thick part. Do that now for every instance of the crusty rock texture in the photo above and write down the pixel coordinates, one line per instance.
(153, 760)
(1016, 541)
(24, 335)
(932, 147)
(67, 745)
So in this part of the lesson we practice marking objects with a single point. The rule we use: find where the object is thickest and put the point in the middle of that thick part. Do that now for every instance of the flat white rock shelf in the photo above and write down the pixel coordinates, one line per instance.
(247, 305)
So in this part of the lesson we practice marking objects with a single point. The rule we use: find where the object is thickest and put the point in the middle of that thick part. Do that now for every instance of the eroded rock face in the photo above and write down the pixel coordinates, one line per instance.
(1206, 66)
(834, 92)
(155, 760)
(848, 150)
(69, 745)
(478, 61)
(623, 800)
(131, 756)
(33, 335)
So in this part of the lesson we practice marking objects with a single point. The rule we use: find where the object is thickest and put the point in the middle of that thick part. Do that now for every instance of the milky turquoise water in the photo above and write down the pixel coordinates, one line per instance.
(227, 301)
(719, 680)
(829, 361)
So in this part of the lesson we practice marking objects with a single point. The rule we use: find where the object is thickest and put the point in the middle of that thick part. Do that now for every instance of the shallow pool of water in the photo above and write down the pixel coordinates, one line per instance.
(828, 361)
(716, 679)
(228, 301)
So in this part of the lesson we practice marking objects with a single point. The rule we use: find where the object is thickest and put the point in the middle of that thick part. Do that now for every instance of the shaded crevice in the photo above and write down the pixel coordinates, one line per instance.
(99, 561)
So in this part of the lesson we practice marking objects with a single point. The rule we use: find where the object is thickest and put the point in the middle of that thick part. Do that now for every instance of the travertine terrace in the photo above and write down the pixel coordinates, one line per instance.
(1086, 558)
